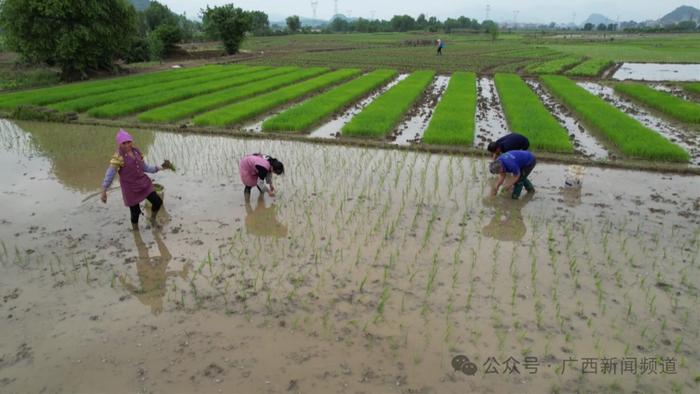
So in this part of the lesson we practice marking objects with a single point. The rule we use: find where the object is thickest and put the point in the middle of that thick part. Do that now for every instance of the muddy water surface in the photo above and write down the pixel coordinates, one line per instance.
(490, 119)
(369, 272)
(658, 72)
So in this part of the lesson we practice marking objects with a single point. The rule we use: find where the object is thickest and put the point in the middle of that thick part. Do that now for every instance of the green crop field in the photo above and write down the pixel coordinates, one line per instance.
(453, 120)
(528, 116)
(625, 133)
(554, 66)
(379, 118)
(250, 108)
(75, 90)
(133, 91)
(311, 112)
(276, 78)
(669, 104)
(590, 68)
(692, 88)
(186, 90)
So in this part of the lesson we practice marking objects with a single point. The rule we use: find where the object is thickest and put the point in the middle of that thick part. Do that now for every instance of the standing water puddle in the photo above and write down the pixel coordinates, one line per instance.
(658, 72)
(413, 128)
(371, 281)
(582, 140)
(490, 119)
(688, 139)
(332, 129)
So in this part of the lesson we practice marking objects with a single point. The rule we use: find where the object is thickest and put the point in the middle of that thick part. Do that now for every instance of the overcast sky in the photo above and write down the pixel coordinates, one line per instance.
(539, 11)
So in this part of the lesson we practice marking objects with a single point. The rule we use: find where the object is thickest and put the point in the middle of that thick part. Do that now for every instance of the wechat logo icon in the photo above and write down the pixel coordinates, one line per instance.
(462, 363)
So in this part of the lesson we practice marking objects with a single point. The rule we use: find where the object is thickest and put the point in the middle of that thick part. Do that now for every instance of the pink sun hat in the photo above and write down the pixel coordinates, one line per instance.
(123, 136)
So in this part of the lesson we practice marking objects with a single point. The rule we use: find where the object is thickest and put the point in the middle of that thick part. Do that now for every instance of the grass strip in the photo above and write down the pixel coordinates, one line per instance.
(528, 116)
(381, 116)
(311, 112)
(452, 122)
(669, 104)
(590, 68)
(625, 133)
(554, 66)
(75, 90)
(250, 108)
(156, 99)
(278, 77)
(692, 88)
(82, 104)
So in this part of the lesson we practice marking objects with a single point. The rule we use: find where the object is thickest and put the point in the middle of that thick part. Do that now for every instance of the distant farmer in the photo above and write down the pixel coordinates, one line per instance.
(256, 170)
(440, 45)
(507, 143)
(517, 163)
(136, 186)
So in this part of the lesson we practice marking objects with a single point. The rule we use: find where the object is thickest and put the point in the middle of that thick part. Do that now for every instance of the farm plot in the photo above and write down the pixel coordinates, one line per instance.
(453, 120)
(313, 111)
(76, 90)
(555, 66)
(626, 134)
(155, 99)
(590, 68)
(276, 78)
(85, 103)
(527, 115)
(669, 104)
(250, 108)
(380, 117)
(692, 88)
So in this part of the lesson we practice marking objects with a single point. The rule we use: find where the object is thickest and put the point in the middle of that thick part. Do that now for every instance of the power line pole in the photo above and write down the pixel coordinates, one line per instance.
(488, 10)
(335, 9)
(515, 18)
(314, 6)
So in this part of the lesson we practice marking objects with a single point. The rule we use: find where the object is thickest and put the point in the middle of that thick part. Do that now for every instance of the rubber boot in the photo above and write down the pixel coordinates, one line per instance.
(528, 186)
(517, 189)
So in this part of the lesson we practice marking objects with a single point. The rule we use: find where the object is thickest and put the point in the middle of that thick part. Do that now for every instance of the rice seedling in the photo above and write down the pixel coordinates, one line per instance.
(311, 112)
(527, 115)
(74, 90)
(692, 88)
(554, 66)
(590, 68)
(669, 104)
(625, 133)
(380, 117)
(452, 122)
(155, 99)
(271, 79)
(250, 108)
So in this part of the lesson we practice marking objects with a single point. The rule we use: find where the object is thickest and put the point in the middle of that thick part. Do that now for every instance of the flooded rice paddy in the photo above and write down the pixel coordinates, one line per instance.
(658, 72)
(371, 271)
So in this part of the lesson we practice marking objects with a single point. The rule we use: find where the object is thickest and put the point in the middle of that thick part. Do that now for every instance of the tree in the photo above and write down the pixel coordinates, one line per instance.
(259, 23)
(588, 27)
(158, 14)
(227, 23)
(601, 27)
(79, 36)
(491, 28)
(293, 23)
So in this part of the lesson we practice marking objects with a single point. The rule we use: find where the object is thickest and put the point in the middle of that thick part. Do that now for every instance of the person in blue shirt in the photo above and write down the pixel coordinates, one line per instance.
(507, 143)
(517, 163)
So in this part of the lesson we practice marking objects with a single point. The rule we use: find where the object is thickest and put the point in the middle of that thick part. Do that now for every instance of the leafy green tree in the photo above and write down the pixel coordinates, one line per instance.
(588, 27)
(227, 23)
(158, 14)
(293, 23)
(259, 23)
(79, 36)
(491, 28)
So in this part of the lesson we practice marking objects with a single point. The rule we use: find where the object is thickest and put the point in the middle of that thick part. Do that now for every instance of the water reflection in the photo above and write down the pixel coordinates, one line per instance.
(571, 196)
(507, 223)
(152, 273)
(262, 220)
(79, 155)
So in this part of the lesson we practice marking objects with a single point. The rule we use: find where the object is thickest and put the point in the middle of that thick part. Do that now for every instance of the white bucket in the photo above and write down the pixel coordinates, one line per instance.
(574, 176)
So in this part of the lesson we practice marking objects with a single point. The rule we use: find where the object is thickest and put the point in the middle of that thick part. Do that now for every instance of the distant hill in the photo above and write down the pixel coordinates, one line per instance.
(596, 19)
(680, 14)
(140, 5)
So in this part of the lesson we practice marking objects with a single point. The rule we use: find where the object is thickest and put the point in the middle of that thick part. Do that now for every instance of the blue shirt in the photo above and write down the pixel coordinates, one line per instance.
(516, 160)
(513, 141)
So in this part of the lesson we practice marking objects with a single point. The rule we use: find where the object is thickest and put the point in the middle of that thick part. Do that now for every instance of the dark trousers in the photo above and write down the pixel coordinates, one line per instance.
(249, 188)
(156, 203)
(525, 172)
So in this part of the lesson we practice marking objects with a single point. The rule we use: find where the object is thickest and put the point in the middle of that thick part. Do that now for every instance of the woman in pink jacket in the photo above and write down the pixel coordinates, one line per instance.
(256, 170)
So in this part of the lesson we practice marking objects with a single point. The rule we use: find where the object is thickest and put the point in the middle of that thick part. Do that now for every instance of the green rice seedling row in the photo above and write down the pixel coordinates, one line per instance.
(155, 99)
(276, 78)
(250, 108)
(669, 104)
(628, 135)
(75, 90)
(692, 88)
(453, 120)
(527, 115)
(590, 68)
(380, 117)
(554, 66)
(85, 103)
(311, 112)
